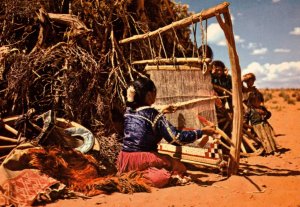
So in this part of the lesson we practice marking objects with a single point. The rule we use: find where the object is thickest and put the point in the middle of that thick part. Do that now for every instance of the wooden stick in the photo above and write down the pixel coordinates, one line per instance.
(7, 139)
(3, 157)
(218, 130)
(10, 129)
(12, 118)
(171, 61)
(185, 103)
(171, 67)
(8, 147)
(205, 14)
(248, 142)
(243, 148)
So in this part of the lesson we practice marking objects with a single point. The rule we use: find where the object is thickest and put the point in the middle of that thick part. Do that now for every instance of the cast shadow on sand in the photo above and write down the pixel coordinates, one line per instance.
(262, 170)
(283, 150)
(200, 174)
(279, 135)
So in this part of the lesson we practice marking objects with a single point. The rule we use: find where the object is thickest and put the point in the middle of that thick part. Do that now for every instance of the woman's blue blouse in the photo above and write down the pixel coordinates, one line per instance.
(145, 127)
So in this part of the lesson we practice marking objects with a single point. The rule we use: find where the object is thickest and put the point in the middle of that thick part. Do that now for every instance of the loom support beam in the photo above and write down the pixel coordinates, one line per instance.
(237, 124)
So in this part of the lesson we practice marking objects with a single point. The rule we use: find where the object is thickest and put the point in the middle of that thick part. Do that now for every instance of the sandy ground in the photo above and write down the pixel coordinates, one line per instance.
(263, 181)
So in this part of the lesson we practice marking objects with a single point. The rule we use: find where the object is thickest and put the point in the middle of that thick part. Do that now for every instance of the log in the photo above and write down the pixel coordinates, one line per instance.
(204, 14)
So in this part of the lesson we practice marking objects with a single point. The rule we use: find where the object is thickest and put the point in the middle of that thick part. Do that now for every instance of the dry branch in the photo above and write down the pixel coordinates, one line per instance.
(70, 20)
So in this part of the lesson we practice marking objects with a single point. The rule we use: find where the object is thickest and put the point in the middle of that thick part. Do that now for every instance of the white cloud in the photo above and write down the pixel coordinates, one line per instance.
(238, 39)
(215, 35)
(260, 51)
(282, 75)
(296, 31)
(251, 45)
(282, 50)
(232, 18)
(221, 42)
(275, 1)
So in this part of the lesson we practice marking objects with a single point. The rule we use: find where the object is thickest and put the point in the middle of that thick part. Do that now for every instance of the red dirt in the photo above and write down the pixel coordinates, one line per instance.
(263, 181)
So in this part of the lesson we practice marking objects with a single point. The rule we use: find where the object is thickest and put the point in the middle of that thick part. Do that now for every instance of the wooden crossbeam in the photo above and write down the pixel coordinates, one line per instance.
(204, 14)
(171, 61)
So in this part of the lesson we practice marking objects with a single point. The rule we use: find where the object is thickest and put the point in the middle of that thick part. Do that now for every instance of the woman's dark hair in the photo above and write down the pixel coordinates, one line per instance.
(218, 63)
(141, 86)
(209, 52)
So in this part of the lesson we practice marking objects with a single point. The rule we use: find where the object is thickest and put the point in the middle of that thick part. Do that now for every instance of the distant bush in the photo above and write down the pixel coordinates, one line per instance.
(282, 94)
(277, 108)
(267, 96)
(291, 101)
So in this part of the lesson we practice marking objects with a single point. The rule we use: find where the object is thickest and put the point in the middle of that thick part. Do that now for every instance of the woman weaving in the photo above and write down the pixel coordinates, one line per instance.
(144, 128)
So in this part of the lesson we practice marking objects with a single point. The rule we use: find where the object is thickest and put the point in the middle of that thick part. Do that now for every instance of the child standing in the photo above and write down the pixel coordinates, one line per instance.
(250, 89)
(258, 115)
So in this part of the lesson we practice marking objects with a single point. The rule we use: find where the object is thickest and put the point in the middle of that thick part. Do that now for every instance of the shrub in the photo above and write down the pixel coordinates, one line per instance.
(268, 96)
(291, 101)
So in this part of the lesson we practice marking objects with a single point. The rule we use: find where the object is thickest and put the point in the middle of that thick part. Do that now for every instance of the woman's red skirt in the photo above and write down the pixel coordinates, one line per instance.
(157, 168)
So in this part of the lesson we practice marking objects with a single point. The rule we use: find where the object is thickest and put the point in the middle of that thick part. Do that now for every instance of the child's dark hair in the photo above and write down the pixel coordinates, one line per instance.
(141, 87)
(253, 97)
(249, 76)
(207, 49)
(218, 63)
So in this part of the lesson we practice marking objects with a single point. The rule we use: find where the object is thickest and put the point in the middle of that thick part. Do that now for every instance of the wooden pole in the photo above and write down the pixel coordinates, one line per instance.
(237, 124)
(171, 61)
(7, 139)
(205, 14)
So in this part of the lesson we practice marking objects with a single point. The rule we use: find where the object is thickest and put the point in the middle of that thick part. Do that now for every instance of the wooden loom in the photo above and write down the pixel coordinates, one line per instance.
(226, 25)
(187, 87)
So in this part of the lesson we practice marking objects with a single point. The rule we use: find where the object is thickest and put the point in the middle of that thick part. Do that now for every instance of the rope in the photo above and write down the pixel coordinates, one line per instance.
(162, 44)
(195, 40)
(178, 40)
(203, 44)
(149, 42)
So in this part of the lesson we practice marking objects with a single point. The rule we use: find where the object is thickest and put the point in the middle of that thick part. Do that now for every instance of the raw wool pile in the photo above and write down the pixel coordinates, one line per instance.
(80, 173)
(64, 55)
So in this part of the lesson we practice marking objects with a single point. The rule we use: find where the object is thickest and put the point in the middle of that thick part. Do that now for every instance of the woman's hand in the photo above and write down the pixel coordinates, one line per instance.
(209, 130)
(169, 109)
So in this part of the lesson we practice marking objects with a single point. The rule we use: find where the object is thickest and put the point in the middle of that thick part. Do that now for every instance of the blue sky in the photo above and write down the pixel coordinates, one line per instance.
(267, 36)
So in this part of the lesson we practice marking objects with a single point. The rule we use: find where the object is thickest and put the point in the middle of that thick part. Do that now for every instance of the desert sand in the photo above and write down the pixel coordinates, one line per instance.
(263, 181)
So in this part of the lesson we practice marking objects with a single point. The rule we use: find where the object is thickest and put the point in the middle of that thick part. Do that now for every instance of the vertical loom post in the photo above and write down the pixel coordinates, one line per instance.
(237, 124)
